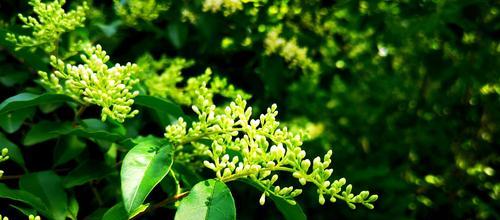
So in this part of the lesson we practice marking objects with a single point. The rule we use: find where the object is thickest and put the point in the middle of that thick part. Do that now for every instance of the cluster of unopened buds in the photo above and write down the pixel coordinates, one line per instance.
(167, 83)
(228, 6)
(95, 83)
(51, 22)
(258, 150)
(3, 158)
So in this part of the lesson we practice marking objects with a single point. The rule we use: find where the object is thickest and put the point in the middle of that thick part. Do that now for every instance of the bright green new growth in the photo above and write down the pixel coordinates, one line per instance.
(95, 83)
(52, 22)
(132, 11)
(3, 158)
(262, 150)
(165, 85)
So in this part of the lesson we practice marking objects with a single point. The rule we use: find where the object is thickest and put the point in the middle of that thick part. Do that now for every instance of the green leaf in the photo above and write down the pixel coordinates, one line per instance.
(12, 121)
(24, 210)
(289, 211)
(73, 208)
(94, 128)
(188, 175)
(46, 130)
(48, 186)
(87, 171)
(67, 148)
(10, 76)
(22, 196)
(14, 151)
(210, 199)
(117, 212)
(166, 110)
(177, 33)
(144, 166)
(26, 100)
(98, 214)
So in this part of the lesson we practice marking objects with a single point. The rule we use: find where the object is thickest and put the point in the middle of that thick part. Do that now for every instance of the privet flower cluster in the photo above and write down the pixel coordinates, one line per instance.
(257, 149)
(93, 82)
(166, 84)
(52, 22)
(3, 158)
(228, 7)
(291, 52)
(132, 11)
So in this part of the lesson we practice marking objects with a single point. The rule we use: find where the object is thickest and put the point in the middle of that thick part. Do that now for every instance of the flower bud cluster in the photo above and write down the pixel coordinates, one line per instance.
(93, 82)
(227, 6)
(240, 147)
(51, 22)
(3, 158)
(166, 84)
(291, 52)
(131, 11)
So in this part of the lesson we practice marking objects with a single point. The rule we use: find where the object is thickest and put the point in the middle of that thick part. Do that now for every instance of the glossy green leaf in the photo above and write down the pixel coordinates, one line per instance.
(12, 121)
(209, 200)
(67, 148)
(289, 211)
(26, 100)
(166, 110)
(143, 168)
(87, 171)
(22, 196)
(117, 212)
(48, 187)
(14, 151)
(45, 131)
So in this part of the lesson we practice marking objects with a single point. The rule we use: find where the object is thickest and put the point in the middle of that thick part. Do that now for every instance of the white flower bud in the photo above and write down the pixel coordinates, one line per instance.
(262, 199)
(209, 165)
(321, 199)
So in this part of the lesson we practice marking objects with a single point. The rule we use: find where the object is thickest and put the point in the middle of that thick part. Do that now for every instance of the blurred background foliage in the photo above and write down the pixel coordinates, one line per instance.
(406, 93)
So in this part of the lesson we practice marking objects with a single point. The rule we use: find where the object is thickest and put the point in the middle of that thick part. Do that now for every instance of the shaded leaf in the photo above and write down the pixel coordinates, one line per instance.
(46, 130)
(166, 110)
(177, 33)
(26, 100)
(12, 121)
(48, 187)
(14, 151)
(22, 196)
(87, 171)
(67, 149)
